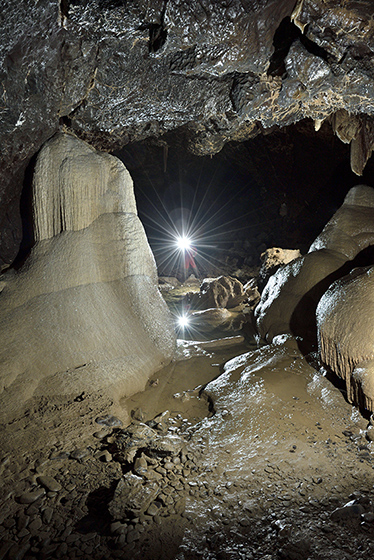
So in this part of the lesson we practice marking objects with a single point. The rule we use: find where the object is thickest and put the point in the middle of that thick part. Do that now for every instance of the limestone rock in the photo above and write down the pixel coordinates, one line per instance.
(348, 513)
(140, 436)
(345, 316)
(252, 293)
(84, 312)
(289, 299)
(208, 63)
(224, 292)
(74, 185)
(132, 497)
(272, 259)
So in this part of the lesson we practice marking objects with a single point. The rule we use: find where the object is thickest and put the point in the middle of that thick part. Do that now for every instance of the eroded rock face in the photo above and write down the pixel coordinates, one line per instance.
(116, 72)
(272, 259)
(221, 292)
(84, 312)
(345, 316)
(289, 300)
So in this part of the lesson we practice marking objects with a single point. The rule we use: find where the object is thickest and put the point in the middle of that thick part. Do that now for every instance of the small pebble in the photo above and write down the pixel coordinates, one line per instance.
(137, 414)
(132, 536)
(114, 527)
(105, 456)
(49, 483)
(78, 454)
(153, 509)
(35, 525)
(23, 533)
(59, 455)
(100, 434)
(109, 420)
(22, 521)
(47, 515)
(30, 497)
(72, 538)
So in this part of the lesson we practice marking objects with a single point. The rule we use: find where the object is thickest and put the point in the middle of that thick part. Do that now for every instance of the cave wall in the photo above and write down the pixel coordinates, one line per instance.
(115, 72)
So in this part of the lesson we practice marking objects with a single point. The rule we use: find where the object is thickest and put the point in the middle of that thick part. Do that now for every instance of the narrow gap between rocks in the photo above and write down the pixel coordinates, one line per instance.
(284, 36)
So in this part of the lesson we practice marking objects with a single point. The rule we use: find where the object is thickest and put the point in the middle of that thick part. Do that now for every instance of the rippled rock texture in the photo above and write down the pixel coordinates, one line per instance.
(83, 314)
(289, 300)
(345, 319)
(116, 72)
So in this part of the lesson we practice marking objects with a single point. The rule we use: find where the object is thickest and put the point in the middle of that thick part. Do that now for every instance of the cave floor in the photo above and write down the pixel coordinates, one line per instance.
(272, 454)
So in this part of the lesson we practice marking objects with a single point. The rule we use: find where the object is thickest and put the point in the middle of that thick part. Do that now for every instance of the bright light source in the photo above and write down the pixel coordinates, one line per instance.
(184, 243)
(183, 321)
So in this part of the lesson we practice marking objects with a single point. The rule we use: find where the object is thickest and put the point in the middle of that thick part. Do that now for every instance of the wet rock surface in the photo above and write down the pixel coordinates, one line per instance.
(290, 298)
(223, 291)
(272, 259)
(276, 472)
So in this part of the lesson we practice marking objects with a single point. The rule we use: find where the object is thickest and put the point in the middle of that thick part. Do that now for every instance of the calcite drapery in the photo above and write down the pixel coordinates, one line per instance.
(345, 318)
(291, 295)
(84, 312)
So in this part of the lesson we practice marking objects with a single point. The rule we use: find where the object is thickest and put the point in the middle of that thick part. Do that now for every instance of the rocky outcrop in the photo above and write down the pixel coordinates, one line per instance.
(272, 259)
(289, 300)
(222, 292)
(116, 72)
(345, 316)
(84, 312)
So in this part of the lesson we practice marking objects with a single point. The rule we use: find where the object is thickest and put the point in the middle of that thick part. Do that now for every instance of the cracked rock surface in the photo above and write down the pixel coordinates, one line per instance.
(117, 72)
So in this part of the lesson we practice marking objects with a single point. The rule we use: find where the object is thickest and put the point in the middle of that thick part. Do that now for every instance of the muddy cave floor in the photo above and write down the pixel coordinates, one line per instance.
(272, 452)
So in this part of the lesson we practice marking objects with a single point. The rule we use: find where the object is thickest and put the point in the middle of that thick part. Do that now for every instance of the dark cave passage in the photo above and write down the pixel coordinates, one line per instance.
(277, 189)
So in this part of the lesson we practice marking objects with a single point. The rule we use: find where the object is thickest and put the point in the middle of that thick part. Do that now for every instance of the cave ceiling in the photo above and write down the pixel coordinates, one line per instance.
(116, 72)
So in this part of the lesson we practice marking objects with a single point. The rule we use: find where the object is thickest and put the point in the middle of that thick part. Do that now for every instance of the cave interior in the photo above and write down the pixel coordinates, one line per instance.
(243, 125)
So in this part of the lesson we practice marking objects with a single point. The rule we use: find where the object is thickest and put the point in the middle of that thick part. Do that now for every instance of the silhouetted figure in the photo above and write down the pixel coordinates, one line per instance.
(189, 262)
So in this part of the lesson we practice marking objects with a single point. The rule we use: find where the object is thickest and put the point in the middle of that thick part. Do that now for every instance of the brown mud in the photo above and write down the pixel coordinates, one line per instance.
(273, 453)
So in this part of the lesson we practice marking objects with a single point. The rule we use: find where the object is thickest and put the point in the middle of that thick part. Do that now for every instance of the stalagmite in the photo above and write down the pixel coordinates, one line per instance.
(84, 312)
(320, 286)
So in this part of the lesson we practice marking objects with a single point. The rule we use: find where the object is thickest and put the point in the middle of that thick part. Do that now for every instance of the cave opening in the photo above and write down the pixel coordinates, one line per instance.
(278, 189)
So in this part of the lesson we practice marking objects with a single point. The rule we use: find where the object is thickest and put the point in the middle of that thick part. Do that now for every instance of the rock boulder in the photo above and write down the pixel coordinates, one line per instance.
(272, 259)
(289, 299)
(222, 292)
(345, 316)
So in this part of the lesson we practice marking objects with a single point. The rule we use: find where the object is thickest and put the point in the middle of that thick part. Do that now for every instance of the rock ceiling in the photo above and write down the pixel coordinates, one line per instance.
(117, 71)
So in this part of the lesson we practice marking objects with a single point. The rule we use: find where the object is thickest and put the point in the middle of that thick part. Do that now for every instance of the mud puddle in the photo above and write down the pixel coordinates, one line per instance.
(279, 458)
(179, 387)
(280, 469)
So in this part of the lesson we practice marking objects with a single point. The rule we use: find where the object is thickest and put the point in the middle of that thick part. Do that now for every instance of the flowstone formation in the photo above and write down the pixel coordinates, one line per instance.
(317, 290)
(345, 317)
(84, 313)
(117, 72)
(290, 297)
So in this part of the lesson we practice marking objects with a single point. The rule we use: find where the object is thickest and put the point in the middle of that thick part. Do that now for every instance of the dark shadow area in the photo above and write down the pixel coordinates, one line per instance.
(64, 7)
(28, 238)
(157, 37)
(276, 190)
(303, 321)
(284, 36)
(98, 518)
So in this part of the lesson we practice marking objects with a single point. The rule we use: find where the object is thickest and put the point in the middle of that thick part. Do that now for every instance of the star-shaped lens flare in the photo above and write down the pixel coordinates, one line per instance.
(183, 243)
